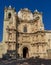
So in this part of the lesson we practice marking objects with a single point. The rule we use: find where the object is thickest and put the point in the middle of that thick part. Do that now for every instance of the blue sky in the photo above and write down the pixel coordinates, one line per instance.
(41, 5)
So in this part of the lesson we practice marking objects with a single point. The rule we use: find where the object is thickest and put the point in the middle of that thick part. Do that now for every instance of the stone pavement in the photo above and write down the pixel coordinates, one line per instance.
(25, 62)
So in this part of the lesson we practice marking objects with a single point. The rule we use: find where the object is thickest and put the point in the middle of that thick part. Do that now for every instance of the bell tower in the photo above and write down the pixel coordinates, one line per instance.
(38, 20)
(9, 35)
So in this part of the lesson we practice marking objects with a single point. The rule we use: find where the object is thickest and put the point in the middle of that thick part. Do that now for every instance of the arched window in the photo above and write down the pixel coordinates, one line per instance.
(25, 29)
(9, 15)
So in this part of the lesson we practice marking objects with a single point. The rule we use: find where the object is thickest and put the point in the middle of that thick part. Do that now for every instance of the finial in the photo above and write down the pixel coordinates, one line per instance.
(26, 8)
(36, 10)
(9, 6)
(5, 8)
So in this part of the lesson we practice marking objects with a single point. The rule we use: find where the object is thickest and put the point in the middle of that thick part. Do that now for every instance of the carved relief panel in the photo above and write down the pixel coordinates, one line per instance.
(26, 39)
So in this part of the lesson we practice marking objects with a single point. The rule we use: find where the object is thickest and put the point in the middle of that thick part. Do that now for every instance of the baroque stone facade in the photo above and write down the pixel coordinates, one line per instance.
(24, 34)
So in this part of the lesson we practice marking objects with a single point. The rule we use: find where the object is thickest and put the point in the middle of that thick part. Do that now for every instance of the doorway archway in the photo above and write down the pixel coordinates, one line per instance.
(25, 52)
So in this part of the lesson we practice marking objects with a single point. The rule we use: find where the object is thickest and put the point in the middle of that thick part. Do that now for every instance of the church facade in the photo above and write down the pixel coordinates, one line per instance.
(24, 34)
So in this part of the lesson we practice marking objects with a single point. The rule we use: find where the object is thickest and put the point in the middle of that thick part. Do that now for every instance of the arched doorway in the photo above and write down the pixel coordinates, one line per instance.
(25, 52)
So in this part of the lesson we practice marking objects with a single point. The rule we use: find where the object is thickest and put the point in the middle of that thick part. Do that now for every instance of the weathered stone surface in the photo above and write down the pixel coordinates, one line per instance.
(24, 34)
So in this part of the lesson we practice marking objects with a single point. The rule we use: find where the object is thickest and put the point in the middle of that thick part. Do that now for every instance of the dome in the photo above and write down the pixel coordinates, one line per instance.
(25, 14)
